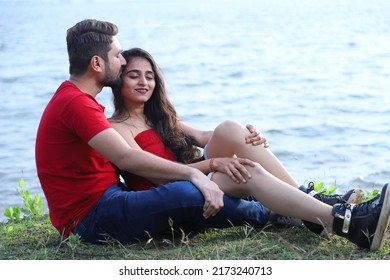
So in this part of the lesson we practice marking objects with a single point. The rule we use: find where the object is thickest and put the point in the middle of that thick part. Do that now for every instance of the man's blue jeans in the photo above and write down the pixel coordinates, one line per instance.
(129, 216)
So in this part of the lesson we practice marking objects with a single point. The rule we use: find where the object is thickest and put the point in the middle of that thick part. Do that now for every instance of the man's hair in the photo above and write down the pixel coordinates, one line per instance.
(86, 39)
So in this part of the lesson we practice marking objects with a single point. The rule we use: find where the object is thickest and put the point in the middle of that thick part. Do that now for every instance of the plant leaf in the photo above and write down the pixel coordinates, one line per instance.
(21, 183)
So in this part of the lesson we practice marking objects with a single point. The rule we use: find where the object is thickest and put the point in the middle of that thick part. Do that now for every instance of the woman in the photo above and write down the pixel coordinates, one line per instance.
(147, 120)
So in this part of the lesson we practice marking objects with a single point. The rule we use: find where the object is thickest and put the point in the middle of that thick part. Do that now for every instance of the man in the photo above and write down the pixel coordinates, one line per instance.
(76, 150)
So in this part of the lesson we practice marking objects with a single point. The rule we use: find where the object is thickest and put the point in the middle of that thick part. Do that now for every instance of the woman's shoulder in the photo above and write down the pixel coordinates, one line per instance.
(120, 127)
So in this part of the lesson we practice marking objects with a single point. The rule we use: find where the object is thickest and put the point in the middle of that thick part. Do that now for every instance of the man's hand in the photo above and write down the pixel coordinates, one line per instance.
(212, 194)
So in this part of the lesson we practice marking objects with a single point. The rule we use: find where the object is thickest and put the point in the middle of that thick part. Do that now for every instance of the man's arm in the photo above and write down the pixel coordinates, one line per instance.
(111, 145)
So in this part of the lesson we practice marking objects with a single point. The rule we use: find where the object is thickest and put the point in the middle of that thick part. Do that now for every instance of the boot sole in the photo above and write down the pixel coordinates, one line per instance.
(383, 223)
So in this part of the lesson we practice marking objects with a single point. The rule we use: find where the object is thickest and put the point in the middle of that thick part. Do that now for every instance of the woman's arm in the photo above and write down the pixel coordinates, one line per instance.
(233, 167)
(201, 137)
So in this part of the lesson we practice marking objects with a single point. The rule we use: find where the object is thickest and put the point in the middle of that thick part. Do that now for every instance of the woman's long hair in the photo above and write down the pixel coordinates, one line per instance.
(159, 111)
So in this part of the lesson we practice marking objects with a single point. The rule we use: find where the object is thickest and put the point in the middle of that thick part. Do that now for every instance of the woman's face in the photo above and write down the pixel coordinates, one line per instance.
(138, 81)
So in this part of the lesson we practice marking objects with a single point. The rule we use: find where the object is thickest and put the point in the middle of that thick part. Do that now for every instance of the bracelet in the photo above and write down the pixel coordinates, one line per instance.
(212, 169)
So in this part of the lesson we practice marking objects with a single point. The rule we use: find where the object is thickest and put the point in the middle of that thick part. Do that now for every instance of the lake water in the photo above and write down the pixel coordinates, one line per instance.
(313, 76)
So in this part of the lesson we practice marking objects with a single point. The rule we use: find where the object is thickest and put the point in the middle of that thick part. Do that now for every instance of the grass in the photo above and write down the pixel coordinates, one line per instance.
(34, 238)
(29, 235)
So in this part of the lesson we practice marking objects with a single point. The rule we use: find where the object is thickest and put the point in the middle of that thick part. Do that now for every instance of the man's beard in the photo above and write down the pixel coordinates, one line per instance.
(111, 80)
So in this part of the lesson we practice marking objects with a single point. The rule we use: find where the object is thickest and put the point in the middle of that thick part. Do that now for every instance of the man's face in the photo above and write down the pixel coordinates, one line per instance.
(114, 66)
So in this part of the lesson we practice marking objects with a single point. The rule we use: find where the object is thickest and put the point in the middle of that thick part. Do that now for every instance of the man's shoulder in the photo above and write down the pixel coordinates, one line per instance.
(68, 87)
(67, 93)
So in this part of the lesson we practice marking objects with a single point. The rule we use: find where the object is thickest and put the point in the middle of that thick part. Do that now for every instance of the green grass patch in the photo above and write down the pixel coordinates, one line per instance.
(29, 235)
(34, 238)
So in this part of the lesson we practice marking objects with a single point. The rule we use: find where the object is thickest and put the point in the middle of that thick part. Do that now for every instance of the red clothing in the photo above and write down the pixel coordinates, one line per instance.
(73, 176)
(151, 142)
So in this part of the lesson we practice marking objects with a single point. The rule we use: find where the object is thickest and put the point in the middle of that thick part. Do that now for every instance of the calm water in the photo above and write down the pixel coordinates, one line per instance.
(314, 76)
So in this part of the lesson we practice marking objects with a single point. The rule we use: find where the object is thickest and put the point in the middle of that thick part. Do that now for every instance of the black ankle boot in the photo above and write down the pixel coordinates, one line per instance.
(364, 224)
(353, 196)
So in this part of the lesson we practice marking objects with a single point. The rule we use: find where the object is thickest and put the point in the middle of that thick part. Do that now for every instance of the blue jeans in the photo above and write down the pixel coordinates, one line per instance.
(129, 216)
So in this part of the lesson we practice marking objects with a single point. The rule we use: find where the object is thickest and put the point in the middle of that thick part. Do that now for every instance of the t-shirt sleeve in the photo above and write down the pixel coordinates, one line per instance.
(86, 117)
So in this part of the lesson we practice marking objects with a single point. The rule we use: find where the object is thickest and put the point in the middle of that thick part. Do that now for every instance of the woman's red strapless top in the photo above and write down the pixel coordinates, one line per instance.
(151, 142)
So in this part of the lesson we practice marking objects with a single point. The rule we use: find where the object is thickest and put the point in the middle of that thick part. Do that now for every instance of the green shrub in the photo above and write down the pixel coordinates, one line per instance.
(33, 205)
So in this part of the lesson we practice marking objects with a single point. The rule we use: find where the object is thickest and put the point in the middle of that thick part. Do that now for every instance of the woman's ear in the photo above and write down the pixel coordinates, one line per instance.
(97, 63)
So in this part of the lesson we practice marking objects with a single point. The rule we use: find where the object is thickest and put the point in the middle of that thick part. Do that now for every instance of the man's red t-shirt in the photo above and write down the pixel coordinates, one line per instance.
(73, 176)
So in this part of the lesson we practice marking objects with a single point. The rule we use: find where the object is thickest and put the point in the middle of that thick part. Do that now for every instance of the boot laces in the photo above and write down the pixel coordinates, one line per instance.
(370, 204)
(361, 208)
(322, 195)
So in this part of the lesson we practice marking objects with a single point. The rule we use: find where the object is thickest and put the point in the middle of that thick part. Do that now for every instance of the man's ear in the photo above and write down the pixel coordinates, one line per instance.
(97, 63)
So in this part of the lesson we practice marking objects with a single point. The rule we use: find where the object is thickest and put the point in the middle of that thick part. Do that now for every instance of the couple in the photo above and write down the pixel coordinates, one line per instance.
(79, 153)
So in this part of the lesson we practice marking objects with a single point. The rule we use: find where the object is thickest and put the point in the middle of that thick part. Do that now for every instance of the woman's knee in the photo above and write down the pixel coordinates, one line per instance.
(230, 131)
(228, 125)
(257, 170)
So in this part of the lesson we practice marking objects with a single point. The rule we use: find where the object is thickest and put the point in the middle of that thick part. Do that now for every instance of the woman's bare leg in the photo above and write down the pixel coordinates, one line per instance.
(229, 139)
(277, 195)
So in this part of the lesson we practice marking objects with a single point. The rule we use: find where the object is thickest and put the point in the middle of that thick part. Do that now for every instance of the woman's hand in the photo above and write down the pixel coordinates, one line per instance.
(234, 168)
(255, 137)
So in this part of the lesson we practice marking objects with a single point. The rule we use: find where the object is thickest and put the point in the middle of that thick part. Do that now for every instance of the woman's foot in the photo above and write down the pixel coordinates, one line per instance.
(364, 224)
(353, 196)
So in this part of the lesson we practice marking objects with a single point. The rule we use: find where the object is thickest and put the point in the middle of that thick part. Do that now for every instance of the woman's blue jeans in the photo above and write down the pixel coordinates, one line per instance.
(129, 216)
